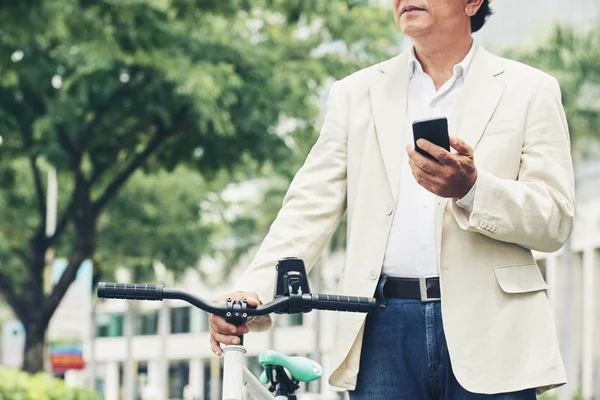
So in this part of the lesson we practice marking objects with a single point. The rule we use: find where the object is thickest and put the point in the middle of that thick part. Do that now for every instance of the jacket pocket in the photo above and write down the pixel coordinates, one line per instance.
(522, 278)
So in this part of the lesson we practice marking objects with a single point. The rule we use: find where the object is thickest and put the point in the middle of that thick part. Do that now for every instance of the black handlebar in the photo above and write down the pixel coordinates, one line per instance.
(342, 303)
(130, 291)
(306, 302)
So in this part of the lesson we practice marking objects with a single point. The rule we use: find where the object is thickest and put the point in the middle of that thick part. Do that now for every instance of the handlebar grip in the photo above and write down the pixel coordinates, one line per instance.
(130, 291)
(342, 303)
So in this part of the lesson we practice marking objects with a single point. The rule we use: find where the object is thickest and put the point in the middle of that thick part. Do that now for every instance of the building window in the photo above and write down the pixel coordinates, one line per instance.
(179, 378)
(254, 366)
(146, 324)
(211, 386)
(141, 380)
(203, 321)
(180, 320)
(109, 325)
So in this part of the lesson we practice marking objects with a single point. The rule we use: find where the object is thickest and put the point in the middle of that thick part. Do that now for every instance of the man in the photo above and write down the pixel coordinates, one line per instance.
(445, 245)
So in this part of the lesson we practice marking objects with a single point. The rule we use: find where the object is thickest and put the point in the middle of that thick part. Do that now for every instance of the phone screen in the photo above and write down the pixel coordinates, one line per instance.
(434, 130)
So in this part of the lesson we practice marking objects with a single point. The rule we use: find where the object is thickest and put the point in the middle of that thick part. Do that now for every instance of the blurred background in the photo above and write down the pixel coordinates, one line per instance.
(153, 141)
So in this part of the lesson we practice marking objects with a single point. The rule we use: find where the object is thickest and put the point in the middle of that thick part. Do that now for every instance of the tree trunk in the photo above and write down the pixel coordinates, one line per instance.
(38, 307)
(33, 300)
(35, 338)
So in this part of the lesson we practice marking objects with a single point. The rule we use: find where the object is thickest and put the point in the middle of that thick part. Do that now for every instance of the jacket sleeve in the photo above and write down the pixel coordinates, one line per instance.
(312, 210)
(535, 211)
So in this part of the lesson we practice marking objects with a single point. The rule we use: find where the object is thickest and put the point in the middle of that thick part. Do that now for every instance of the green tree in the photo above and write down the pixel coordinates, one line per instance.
(572, 55)
(100, 89)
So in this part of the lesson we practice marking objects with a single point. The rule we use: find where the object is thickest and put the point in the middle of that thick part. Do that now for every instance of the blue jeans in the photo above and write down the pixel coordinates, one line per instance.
(404, 356)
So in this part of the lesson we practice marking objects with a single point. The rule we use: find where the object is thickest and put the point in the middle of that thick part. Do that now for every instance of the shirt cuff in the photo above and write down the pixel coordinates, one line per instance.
(466, 203)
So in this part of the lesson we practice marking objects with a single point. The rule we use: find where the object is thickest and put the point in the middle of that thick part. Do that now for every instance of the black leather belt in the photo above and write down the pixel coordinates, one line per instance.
(424, 289)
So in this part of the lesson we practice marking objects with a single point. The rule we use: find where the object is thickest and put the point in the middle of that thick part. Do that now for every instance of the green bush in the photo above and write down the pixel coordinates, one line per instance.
(18, 385)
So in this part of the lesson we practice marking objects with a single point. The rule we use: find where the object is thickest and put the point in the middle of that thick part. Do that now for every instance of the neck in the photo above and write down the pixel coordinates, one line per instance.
(439, 55)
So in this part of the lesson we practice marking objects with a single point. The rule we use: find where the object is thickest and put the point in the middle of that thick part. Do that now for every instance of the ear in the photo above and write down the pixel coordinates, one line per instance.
(473, 6)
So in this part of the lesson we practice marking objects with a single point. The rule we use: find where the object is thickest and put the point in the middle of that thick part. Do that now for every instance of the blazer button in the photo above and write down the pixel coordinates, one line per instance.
(372, 275)
(483, 224)
(389, 210)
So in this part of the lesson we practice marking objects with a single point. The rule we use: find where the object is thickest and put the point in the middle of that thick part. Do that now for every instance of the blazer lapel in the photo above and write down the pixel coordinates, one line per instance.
(478, 101)
(389, 102)
(479, 97)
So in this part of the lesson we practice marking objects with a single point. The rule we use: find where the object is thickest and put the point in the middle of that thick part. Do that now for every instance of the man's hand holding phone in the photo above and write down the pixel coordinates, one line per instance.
(448, 175)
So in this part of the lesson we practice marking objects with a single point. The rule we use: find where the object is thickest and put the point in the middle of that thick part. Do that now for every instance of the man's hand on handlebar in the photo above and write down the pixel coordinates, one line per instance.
(223, 333)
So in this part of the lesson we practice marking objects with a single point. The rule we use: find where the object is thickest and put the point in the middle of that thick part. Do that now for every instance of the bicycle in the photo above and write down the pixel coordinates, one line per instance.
(292, 296)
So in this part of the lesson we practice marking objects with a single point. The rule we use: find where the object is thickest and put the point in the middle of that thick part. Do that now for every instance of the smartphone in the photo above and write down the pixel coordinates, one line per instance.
(434, 130)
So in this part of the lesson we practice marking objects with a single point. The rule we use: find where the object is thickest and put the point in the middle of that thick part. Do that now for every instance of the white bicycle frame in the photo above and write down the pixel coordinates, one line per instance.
(236, 376)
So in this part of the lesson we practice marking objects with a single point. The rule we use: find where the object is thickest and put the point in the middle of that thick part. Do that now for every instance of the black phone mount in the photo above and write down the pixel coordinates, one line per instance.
(292, 282)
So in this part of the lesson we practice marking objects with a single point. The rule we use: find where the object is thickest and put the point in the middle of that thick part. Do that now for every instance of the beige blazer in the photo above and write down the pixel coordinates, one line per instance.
(498, 324)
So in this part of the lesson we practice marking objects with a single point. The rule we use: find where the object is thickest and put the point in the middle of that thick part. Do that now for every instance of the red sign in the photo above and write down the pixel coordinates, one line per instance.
(64, 357)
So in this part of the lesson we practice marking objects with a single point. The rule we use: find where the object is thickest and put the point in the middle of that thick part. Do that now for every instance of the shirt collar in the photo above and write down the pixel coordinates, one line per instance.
(459, 69)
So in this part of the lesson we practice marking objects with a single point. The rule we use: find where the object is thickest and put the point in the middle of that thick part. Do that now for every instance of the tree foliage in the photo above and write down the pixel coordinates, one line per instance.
(571, 55)
(105, 90)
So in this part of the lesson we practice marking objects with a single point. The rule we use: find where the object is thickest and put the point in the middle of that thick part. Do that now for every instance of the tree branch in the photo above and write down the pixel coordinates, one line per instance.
(35, 104)
(66, 144)
(85, 134)
(21, 254)
(67, 278)
(116, 184)
(162, 135)
(125, 140)
(60, 227)
(39, 188)
(6, 288)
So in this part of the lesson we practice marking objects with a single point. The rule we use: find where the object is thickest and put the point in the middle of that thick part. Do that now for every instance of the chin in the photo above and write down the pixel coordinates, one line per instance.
(413, 30)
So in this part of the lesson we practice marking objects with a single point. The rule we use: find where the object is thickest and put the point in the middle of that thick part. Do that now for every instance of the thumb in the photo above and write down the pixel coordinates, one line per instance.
(252, 298)
(461, 146)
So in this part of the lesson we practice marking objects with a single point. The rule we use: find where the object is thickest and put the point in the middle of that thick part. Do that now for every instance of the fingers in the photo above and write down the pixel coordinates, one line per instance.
(423, 167)
(220, 325)
(436, 151)
(461, 146)
(252, 299)
(423, 163)
(423, 178)
(222, 332)
(225, 339)
(216, 348)
(421, 172)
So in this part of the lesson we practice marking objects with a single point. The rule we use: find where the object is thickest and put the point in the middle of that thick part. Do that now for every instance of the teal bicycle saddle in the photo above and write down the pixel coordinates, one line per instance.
(300, 368)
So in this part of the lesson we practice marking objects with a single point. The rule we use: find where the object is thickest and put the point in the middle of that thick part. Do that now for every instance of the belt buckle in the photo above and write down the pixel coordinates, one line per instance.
(423, 289)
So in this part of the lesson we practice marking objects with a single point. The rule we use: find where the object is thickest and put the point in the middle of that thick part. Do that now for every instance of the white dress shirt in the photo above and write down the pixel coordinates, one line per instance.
(411, 248)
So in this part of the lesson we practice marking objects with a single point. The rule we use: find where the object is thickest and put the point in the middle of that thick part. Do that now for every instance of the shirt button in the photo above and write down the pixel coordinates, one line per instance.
(372, 275)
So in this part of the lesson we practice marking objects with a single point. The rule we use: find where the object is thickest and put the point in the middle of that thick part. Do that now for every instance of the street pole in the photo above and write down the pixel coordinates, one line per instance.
(92, 361)
(128, 368)
(51, 216)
